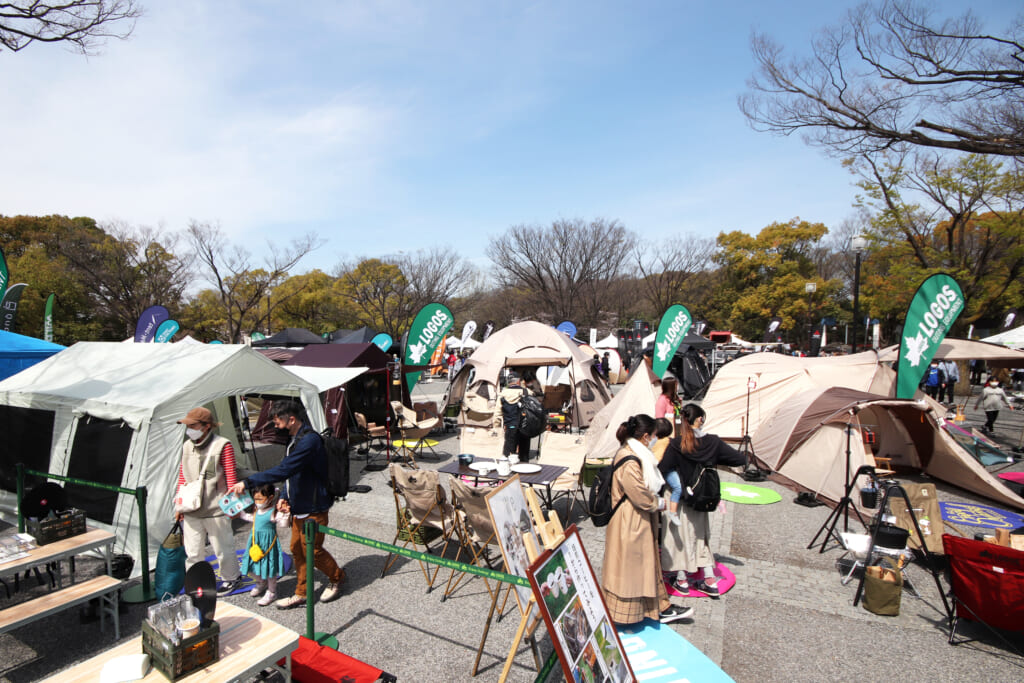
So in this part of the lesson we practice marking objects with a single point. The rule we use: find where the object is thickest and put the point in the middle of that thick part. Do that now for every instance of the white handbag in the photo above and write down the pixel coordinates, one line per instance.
(190, 495)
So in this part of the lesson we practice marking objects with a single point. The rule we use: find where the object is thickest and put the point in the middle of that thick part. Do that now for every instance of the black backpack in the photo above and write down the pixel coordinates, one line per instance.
(337, 465)
(704, 489)
(532, 420)
(600, 504)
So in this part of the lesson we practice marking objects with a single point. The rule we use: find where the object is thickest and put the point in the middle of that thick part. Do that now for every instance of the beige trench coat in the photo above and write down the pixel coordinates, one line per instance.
(632, 566)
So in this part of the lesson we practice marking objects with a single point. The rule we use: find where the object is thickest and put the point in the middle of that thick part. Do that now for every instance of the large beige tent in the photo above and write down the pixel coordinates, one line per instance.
(526, 346)
(994, 355)
(774, 379)
(804, 442)
(637, 396)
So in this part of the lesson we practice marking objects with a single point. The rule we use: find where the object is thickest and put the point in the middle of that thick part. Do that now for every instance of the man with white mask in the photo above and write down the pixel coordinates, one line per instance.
(211, 458)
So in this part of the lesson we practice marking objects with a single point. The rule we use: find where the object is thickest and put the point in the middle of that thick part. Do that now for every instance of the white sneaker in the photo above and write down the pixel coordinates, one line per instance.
(290, 601)
(267, 599)
(332, 592)
(258, 589)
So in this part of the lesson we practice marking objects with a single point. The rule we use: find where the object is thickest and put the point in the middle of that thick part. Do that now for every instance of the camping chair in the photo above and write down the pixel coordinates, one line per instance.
(474, 529)
(987, 585)
(370, 433)
(414, 432)
(423, 513)
(556, 397)
(481, 442)
(565, 450)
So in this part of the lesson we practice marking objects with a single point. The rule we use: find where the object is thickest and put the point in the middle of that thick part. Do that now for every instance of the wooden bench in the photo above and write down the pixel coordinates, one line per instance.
(103, 587)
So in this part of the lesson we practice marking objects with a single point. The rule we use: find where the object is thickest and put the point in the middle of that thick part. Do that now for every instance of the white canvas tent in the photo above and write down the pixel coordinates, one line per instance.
(108, 412)
(966, 349)
(526, 346)
(776, 378)
(804, 443)
(636, 396)
(1012, 338)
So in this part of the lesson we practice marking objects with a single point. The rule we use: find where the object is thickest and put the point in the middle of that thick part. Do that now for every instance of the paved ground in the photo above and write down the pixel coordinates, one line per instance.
(788, 618)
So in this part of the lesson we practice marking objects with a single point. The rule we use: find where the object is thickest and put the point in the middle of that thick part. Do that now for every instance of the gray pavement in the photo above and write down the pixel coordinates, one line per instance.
(789, 618)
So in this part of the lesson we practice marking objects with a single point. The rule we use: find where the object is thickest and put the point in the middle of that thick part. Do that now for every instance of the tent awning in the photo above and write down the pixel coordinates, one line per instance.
(965, 349)
(325, 378)
(524, 361)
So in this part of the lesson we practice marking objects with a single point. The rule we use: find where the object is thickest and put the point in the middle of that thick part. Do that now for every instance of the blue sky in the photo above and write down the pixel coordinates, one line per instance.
(393, 125)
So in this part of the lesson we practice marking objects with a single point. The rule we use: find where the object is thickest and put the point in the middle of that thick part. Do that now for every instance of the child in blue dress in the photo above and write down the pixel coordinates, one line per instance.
(263, 558)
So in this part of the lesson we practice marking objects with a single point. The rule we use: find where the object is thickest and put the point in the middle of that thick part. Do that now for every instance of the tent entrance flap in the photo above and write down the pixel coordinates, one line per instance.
(29, 435)
(99, 453)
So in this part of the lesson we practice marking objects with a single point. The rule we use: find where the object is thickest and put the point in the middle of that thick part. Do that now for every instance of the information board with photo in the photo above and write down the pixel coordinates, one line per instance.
(511, 518)
(576, 615)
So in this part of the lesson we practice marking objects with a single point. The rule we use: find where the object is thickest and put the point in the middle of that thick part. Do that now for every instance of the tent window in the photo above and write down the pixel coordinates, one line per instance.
(28, 433)
(99, 454)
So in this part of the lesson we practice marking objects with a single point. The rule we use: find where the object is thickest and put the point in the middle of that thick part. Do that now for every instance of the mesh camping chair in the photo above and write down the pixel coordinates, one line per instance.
(565, 450)
(474, 529)
(424, 515)
(987, 582)
(370, 433)
(414, 432)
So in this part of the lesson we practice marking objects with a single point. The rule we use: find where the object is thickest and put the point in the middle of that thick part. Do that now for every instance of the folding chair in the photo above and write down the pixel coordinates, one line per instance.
(423, 514)
(414, 432)
(987, 582)
(474, 530)
(481, 442)
(565, 450)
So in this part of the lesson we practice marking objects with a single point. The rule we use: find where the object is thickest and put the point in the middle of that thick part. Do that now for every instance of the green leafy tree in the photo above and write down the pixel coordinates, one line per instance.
(379, 292)
(312, 300)
(765, 276)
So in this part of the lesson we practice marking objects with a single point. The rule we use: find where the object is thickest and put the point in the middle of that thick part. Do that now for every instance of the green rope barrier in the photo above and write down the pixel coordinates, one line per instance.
(427, 557)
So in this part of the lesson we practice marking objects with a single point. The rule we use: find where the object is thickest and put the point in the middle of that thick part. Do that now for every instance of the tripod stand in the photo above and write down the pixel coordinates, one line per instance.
(843, 509)
(751, 472)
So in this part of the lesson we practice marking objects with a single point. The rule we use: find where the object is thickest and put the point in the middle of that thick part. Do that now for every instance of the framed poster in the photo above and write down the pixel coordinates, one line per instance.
(511, 519)
(576, 615)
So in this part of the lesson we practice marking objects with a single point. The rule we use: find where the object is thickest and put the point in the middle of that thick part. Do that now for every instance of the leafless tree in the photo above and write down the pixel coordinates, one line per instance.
(240, 288)
(435, 275)
(82, 24)
(666, 266)
(567, 266)
(893, 74)
(126, 269)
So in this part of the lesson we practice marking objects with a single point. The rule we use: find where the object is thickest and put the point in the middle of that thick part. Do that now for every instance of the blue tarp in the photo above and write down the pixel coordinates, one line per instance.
(18, 352)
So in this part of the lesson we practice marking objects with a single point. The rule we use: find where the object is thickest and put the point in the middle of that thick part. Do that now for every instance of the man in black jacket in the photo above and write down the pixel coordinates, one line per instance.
(304, 471)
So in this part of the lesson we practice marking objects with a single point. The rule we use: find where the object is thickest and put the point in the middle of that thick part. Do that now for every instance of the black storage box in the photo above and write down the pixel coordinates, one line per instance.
(66, 524)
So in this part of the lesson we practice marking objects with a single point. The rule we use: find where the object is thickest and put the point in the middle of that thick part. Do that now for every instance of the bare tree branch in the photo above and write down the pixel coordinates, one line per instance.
(82, 24)
(894, 75)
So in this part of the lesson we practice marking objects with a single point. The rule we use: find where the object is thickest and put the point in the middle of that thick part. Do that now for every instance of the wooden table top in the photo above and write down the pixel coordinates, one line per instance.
(248, 644)
(58, 550)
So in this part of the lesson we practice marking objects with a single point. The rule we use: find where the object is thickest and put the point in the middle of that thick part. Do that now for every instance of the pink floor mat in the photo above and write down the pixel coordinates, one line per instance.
(726, 581)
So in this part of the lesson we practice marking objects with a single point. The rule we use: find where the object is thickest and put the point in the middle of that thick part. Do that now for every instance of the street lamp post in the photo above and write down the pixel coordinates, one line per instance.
(810, 288)
(859, 243)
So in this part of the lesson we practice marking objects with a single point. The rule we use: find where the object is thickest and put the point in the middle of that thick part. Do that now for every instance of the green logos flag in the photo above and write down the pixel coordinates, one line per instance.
(4, 277)
(673, 327)
(932, 311)
(429, 328)
(48, 318)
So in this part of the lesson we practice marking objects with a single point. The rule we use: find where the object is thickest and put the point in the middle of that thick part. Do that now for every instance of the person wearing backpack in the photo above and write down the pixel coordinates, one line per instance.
(305, 496)
(687, 546)
(631, 571)
(515, 442)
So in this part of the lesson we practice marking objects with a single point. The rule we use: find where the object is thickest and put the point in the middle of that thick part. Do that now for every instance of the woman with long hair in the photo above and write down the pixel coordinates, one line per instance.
(687, 545)
(631, 572)
(668, 400)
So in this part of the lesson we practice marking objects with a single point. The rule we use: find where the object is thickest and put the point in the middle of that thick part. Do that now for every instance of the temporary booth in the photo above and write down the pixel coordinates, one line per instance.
(18, 352)
(107, 412)
(527, 346)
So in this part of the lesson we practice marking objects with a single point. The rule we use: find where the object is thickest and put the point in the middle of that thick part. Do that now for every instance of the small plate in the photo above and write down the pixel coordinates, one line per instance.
(525, 468)
(481, 466)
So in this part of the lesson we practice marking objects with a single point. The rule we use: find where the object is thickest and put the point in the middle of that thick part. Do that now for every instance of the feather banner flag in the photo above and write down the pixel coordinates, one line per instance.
(9, 305)
(48, 318)
(673, 327)
(931, 313)
(429, 329)
(149, 322)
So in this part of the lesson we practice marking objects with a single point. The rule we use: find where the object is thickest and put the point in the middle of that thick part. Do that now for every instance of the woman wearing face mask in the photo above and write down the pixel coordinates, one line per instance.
(631, 572)
(210, 457)
(687, 547)
(992, 399)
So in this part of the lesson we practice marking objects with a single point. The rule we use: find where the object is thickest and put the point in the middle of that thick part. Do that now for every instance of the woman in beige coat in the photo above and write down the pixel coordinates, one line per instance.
(631, 571)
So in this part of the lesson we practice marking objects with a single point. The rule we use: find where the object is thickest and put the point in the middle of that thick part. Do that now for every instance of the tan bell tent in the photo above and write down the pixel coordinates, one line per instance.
(804, 443)
(774, 379)
(527, 347)
(637, 396)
